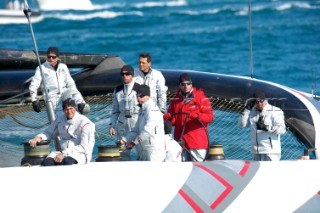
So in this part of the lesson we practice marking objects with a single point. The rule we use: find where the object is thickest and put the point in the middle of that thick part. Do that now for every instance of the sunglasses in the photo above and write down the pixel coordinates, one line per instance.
(260, 101)
(52, 56)
(125, 73)
(140, 96)
(185, 84)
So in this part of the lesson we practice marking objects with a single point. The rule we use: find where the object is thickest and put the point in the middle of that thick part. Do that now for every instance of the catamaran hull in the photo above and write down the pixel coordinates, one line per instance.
(218, 186)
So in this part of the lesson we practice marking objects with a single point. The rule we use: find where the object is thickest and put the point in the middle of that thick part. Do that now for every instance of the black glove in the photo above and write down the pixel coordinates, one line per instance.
(81, 107)
(249, 104)
(261, 125)
(36, 106)
(121, 144)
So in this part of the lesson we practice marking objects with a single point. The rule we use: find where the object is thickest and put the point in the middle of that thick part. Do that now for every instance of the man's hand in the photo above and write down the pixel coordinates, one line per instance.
(250, 104)
(121, 144)
(58, 158)
(167, 116)
(33, 142)
(194, 115)
(112, 131)
(81, 107)
(261, 125)
(36, 106)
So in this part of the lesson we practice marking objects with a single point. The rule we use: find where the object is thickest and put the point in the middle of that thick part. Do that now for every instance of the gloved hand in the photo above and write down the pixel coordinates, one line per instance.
(130, 145)
(194, 115)
(261, 125)
(250, 104)
(167, 116)
(121, 144)
(36, 106)
(81, 107)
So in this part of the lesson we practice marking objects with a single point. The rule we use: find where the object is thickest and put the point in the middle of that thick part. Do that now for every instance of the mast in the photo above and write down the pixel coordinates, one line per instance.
(250, 36)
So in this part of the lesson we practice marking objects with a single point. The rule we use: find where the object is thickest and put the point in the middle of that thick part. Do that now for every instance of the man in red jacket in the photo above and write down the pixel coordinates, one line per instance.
(190, 112)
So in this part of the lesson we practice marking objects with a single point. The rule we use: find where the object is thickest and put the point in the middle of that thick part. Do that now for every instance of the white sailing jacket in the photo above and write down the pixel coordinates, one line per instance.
(57, 82)
(155, 80)
(264, 142)
(149, 129)
(76, 137)
(125, 109)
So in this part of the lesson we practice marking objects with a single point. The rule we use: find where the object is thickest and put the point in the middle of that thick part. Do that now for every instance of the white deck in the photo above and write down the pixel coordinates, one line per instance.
(228, 186)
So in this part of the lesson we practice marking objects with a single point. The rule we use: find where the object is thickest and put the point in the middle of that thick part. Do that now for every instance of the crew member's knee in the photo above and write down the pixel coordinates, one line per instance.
(48, 162)
(68, 161)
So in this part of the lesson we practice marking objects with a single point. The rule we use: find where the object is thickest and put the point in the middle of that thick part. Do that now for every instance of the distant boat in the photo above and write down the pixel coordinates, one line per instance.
(65, 5)
(15, 15)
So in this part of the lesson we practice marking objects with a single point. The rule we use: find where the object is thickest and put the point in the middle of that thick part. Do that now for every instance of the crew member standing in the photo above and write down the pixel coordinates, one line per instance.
(125, 108)
(58, 82)
(154, 79)
(190, 112)
(149, 130)
(266, 124)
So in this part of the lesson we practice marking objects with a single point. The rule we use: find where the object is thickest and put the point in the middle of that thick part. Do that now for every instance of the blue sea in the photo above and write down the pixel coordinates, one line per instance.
(203, 35)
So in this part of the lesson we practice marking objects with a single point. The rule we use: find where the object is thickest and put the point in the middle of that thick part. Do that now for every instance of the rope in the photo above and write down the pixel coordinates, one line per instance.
(25, 125)
(13, 116)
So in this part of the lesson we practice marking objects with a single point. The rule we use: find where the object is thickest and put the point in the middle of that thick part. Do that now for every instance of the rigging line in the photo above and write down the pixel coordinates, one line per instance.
(25, 125)
(28, 12)
(250, 36)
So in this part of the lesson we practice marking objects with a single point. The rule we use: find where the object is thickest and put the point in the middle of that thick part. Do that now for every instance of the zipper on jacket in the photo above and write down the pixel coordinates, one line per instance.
(257, 142)
(59, 89)
(270, 142)
(68, 134)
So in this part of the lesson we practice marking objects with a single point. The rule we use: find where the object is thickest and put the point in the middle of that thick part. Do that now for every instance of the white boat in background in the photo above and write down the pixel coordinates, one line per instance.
(13, 14)
(18, 17)
(65, 5)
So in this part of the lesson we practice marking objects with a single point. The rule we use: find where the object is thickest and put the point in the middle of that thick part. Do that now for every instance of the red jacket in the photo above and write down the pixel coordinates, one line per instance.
(194, 136)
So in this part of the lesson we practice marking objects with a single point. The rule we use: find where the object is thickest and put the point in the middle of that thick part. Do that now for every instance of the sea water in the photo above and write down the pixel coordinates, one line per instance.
(204, 35)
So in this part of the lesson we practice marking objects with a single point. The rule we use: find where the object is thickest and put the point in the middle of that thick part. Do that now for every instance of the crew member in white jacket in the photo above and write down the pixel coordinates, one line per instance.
(76, 135)
(125, 106)
(154, 79)
(267, 124)
(57, 80)
(149, 131)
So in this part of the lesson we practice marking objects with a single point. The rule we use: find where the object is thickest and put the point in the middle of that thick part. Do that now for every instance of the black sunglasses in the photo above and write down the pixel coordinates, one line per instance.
(259, 101)
(140, 96)
(185, 84)
(52, 56)
(125, 73)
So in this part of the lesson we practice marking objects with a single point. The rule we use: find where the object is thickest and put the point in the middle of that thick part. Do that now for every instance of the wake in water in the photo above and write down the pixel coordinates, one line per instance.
(86, 10)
